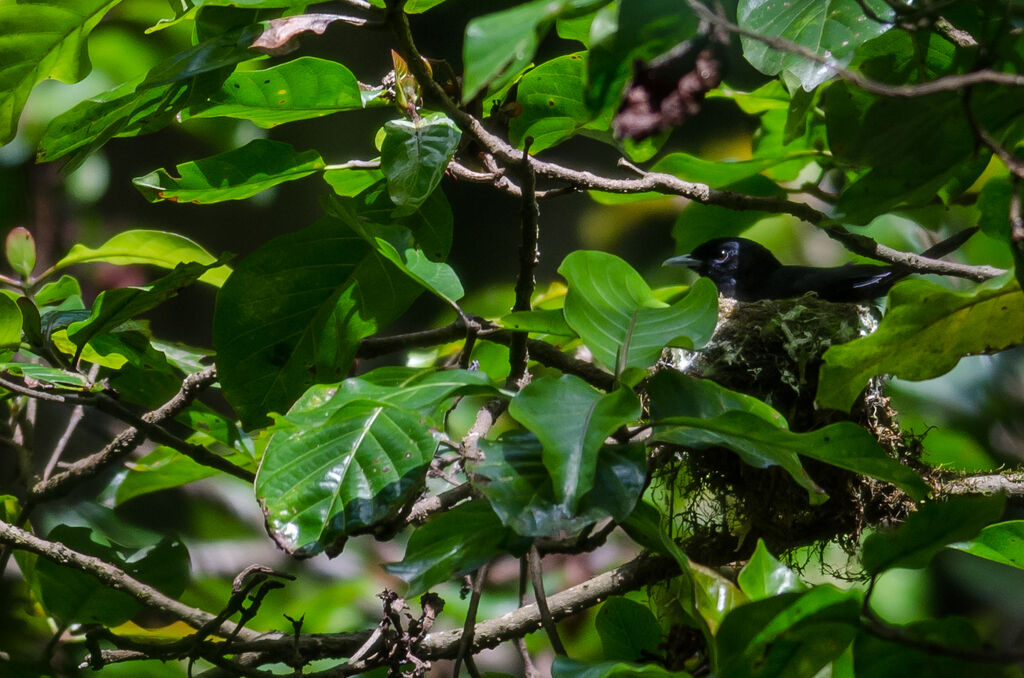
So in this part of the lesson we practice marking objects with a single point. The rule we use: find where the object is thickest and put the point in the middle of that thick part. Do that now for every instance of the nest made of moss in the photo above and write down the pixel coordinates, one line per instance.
(773, 350)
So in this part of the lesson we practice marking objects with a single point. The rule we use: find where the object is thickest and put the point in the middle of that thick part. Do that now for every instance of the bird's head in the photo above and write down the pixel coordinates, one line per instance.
(729, 262)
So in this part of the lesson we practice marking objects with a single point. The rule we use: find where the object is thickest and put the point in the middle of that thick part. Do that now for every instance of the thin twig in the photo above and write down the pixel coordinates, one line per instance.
(536, 574)
(73, 420)
(529, 257)
(466, 641)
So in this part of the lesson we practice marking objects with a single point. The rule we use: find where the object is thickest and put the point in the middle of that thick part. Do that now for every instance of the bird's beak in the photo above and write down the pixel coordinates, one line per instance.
(683, 260)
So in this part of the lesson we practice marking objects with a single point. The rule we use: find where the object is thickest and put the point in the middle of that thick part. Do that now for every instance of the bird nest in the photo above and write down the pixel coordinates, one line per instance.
(773, 350)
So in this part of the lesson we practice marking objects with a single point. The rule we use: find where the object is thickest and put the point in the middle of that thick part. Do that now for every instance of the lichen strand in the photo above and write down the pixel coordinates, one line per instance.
(772, 350)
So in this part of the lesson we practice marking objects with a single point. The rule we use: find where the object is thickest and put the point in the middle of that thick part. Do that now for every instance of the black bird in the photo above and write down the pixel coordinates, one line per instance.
(747, 271)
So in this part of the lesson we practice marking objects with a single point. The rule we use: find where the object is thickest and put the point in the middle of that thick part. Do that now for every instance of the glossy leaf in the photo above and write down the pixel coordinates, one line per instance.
(318, 484)
(572, 421)
(75, 596)
(155, 248)
(40, 40)
(293, 312)
(764, 576)
(350, 182)
(454, 543)
(499, 45)
(299, 89)
(928, 530)
(938, 323)
(541, 321)
(50, 376)
(789, 635)
(628, 630)
(234, 175)
(1002, 542)
(514, 480)
(833, 29)
(614, 311)
(414, 156)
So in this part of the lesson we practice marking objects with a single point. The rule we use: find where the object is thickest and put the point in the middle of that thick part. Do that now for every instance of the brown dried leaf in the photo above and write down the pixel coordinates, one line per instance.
(281, 36)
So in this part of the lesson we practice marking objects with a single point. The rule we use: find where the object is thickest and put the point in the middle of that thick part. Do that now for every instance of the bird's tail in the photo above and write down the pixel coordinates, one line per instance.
(950, 244)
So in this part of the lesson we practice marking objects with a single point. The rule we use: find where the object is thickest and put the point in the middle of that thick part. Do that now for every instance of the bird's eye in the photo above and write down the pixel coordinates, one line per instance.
(723, 255)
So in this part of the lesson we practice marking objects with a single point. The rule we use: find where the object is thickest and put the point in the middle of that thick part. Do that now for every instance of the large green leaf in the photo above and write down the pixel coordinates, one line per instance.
(156, 248)
(42, 39)
(234, 175)
(161, 469)
(10, 323)
(553, 105)
(628, 630)
(415, 155)
(454, 543)
(77, 597)
(790, 635)
(148, 103)
(1002, 542)
(925, 332)
(293, 312)
(831, 28)
(319, 484)
(572, 421)
(518, 486)
(928, 530)
(303, 88)
(675, 394)
(113, 307)
(615, 313)
(499, 45)
(761, 444)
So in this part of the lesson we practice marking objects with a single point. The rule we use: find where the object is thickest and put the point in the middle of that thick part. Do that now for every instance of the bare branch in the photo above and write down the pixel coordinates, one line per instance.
(537, 577)
(124, 443)
(1008, 483)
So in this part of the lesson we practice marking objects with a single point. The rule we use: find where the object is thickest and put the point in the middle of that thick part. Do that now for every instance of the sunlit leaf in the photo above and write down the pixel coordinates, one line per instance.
(1002, 542)
(414, 156)
(764, 576)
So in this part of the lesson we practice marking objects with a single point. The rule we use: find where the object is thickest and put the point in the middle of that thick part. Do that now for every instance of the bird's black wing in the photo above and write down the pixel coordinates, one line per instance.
(853, 282)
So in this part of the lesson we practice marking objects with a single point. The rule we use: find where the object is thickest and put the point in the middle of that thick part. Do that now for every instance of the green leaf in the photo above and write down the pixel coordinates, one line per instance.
(293, 312)
(790, 635)
(50, 376)
(831, 28)
(319, 484)
(350, 182)
(21, 251)
(237, 174)
(161, 469)
(156, 248)
(499, 45)
(417, 389)
(10, 323)
(415, 154)
(764, 576)
(39, 40)
(928, 530)
(541, 321)
(148, 103)
(553, 105)
(564, 667)
(454, 543)
(299, 89)
(519, 487)
(878, 658)
(1002, 542)
(615, 313)
(628, 630)
(675, 394)
(572, 420)
(113, 307)
(938, 323)
(77, 597)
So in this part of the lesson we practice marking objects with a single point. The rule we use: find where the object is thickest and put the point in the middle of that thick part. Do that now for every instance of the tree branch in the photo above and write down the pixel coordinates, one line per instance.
(1010, 484)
